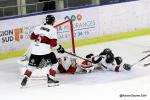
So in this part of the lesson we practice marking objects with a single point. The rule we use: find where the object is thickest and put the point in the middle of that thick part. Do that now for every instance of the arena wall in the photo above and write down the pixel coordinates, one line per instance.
(90, 22)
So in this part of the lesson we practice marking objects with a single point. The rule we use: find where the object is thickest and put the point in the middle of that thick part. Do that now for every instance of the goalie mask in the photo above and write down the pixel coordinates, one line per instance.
(50, 19)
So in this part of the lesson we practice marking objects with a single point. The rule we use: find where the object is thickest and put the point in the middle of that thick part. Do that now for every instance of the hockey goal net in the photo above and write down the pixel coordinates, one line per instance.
(65, 38)
(66, 35)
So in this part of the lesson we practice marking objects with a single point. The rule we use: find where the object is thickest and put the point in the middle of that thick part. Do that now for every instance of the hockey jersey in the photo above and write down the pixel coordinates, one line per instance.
(49, 32)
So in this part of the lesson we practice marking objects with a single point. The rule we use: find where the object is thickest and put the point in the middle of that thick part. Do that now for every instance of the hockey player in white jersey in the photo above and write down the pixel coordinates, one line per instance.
(44, 37)
(107, 62)
(104, 61)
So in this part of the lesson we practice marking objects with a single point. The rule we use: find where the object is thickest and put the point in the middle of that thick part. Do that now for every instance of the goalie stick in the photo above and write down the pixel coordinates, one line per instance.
(141, 60)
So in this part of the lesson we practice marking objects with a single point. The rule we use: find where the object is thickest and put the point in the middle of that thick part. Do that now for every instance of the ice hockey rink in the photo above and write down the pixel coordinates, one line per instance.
(98, 85)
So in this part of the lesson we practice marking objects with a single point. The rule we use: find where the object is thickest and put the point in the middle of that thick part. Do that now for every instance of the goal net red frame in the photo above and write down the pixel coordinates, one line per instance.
(71, 30)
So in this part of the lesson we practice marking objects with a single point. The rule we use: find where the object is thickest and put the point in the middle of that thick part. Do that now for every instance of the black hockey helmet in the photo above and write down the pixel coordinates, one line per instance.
(50, 19)
(106, 51)
(118, 60)
(109, 57)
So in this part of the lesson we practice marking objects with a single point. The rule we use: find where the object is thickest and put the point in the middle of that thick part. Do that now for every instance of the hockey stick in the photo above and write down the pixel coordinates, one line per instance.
(145, 65)
(78, 56)
(141, 60)
(145, 51)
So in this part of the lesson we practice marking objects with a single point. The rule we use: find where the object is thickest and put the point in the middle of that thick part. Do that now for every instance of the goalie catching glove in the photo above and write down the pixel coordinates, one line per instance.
(60, 49)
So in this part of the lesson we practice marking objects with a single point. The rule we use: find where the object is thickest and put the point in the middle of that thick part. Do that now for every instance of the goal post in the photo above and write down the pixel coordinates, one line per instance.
(70, 31)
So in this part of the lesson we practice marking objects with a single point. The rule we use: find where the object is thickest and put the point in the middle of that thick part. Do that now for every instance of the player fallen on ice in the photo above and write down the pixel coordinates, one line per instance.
(105, 61)
(66, 64)
(44, 37)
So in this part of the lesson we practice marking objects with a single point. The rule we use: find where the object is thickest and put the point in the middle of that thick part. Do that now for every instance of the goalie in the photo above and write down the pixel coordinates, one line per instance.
(106, 61)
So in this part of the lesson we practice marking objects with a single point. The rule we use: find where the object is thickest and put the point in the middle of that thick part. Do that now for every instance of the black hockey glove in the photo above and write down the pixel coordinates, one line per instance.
(98, 60)
(127, 67)
(89, 55)
(60, 49)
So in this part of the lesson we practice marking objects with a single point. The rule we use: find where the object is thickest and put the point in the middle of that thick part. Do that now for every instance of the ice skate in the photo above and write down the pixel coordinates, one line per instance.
(52, 82)
(24, 81)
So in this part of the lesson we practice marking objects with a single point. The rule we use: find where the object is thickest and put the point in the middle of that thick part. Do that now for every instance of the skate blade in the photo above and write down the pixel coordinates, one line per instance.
(22, 86)
(53, 84)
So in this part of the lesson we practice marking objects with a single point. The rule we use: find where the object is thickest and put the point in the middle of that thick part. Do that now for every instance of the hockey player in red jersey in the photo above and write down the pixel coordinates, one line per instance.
(44, 37)
(106, 61)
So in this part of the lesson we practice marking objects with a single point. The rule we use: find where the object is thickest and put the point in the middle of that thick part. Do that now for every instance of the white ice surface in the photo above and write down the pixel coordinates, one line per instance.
(98, 85)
